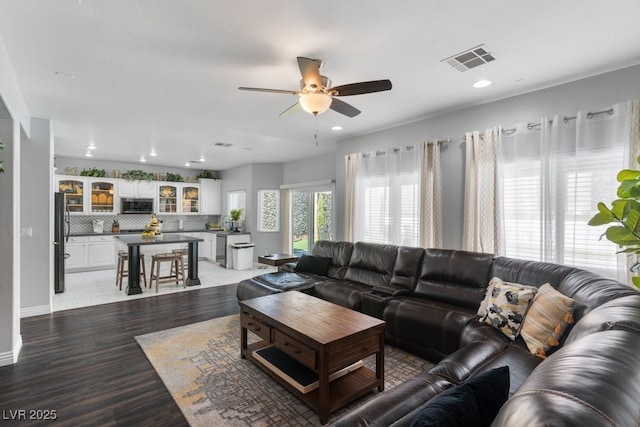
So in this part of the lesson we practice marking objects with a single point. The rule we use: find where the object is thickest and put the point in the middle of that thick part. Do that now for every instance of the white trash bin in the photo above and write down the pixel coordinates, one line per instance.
(242, 255)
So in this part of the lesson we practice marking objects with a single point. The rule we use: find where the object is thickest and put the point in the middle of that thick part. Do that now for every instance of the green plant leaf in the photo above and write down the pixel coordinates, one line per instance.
(621, 236)
(604, 215)
(636, 281)
(632, 220)
(627, 174)
(629, 189)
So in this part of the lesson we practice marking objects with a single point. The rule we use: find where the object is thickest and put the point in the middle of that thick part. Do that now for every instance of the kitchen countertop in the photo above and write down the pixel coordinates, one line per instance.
(129, 233)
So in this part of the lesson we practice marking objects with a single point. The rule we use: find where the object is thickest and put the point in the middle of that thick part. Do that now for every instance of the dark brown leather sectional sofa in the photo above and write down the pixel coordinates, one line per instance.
(429, 299)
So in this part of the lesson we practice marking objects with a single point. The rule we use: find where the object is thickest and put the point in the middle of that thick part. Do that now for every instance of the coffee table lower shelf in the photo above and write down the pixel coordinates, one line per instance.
(342, 390)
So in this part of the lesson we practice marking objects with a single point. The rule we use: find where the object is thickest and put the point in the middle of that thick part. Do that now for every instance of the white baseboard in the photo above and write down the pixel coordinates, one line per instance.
(35, 311)
(11, 357)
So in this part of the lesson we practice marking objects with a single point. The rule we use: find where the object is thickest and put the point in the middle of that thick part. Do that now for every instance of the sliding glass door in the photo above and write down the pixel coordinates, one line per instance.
(311, 218)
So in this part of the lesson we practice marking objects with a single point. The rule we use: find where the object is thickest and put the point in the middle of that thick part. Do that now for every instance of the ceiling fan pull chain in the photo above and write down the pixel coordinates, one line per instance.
(316, 134)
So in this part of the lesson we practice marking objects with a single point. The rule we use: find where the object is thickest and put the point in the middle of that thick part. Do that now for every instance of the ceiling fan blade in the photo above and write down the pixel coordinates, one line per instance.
(310, 72)
(343, 108)
(258, 89)
(294, 108)
(361, 88)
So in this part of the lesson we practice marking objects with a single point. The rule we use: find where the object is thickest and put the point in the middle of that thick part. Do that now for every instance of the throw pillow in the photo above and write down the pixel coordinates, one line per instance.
(482, 310)
(507, 305)
(313, 264)
(476, 402)
(548, 317)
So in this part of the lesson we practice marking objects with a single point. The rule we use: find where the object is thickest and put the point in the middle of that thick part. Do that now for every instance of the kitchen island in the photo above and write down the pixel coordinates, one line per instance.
(134, 242)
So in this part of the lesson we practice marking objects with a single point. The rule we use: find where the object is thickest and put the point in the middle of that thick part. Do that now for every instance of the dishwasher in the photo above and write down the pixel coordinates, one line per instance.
(221, 250)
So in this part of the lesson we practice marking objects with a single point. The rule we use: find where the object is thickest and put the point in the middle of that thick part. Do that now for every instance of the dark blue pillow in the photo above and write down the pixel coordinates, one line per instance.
(476, 402)
(313, 264)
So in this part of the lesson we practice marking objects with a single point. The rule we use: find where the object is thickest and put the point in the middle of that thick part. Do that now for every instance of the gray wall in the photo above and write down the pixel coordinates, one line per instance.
(36, 268)
(319, 168)
(266, 176)
(591, 94)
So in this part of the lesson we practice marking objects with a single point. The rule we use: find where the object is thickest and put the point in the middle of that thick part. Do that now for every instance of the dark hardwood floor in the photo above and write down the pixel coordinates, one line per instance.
(85, 364)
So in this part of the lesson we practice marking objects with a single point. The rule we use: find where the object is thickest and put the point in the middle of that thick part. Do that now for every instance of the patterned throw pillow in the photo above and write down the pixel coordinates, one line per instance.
(548, 317)
(482, 310)
(506, 307)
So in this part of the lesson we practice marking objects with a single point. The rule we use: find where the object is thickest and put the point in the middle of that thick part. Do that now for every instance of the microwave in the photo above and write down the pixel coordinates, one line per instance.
(136, 206)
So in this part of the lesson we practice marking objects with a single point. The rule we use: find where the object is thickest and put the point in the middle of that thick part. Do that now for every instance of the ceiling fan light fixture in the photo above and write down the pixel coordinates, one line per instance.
(315, 103)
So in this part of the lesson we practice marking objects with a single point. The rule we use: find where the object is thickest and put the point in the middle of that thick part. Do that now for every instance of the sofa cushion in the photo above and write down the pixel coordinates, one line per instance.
(507, 306)
(548, 317)
(475, 402)
(344, 293)
(340, 254)
(407, 267)
(456, 277)
(371, 264)
(313, 264)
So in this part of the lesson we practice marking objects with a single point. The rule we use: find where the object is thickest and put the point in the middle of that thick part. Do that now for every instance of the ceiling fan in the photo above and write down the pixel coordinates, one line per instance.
(316, 94)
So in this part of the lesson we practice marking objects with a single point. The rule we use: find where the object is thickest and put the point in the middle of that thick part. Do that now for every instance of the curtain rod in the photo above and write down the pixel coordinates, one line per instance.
(379, 153)
(566, 119)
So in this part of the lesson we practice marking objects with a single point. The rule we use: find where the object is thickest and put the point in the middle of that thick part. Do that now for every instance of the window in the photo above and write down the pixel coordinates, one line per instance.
(551, 183)
(269, 211)
(388, 199)
(235, 200)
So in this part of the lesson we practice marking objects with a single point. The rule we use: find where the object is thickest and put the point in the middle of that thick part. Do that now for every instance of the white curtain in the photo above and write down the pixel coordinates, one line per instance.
(387, 197)
(351, 165)
(481, 232)
(551, 176)
(430, 196)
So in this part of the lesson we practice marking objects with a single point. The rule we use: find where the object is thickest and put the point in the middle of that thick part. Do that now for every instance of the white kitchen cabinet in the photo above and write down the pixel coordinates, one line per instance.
(210, 245)
(75, 190)
(77, 248)
(102, 252)
(103, 196)
(190, 199)
(145, 189)
(210, 196)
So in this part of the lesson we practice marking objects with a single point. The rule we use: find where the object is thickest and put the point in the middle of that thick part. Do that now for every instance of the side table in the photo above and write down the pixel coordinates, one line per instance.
(277, 260)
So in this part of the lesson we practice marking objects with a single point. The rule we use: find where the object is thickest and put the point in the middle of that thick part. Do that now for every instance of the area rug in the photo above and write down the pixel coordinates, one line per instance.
(201, 367)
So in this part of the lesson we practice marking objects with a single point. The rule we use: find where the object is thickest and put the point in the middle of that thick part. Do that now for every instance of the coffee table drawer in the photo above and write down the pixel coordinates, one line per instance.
(256, 326)
(295, 349)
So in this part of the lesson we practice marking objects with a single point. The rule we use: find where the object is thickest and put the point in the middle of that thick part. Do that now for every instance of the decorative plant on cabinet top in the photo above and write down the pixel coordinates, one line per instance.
(625, 213)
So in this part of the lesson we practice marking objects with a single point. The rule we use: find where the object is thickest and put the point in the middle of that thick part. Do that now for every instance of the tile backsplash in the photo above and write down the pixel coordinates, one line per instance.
(84, 224)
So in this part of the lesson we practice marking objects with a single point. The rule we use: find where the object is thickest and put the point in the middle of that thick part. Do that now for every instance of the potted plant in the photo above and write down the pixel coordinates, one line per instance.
(206, 175)
(173, 177)
(137, 175)
(624, 213)
(235, 215)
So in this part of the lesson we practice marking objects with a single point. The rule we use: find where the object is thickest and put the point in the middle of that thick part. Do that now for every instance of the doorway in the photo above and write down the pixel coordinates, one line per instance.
(311, 218)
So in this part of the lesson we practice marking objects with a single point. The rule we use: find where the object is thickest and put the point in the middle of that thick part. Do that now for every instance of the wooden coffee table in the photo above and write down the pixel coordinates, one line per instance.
(322, 336)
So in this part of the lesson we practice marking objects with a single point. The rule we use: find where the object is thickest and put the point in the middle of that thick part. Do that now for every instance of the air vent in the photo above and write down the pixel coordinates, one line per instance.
(471, 58)
(222, 144)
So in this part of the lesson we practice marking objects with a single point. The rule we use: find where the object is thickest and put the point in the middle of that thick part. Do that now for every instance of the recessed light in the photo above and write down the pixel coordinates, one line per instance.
(153, 153)
(336, 128)
(142, 159)
(201, 159)
(88, 154)
(187, 164)
(91, 146)
(482, 83)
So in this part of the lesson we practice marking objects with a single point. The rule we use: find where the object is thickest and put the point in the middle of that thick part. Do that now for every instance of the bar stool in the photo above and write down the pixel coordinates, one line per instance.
(176, 272)
(122, 271)
(185, 259)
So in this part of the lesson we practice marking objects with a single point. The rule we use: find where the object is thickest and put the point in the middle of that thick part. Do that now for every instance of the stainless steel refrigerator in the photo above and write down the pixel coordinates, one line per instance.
(61, 236)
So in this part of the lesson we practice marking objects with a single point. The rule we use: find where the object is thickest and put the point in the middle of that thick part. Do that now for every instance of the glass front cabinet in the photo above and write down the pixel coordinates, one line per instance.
(74, 193)
(190, 199)
(168, 198)
(103, 197)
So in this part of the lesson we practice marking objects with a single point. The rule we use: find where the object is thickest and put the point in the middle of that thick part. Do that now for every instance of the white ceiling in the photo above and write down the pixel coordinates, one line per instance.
(163, 74)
